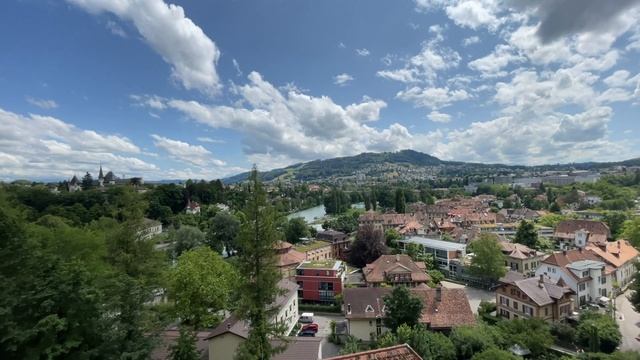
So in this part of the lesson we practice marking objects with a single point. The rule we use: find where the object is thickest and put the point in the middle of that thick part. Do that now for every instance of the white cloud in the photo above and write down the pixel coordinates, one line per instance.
(439, 117)
(182, 151)
(493, 64)
(116, 29)
(42, 103)
(342, 79)
(363, 52)
(432, 97)
(341, 45)
(206, 139)
(237, 67)
(36, 146)
(470, 40)
(166, 28)
(474, 13)
(151, 101)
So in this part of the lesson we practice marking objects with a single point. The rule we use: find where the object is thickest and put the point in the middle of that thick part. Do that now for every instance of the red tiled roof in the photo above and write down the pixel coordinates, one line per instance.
(398, 352)
(377, 271)
(617, 253)
(597, 229)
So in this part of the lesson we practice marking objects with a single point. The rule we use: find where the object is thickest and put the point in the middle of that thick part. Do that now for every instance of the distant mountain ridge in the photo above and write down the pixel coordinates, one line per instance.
(345, 166)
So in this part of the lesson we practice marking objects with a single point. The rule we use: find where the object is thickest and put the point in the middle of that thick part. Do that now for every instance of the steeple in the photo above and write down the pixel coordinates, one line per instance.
(101, 175)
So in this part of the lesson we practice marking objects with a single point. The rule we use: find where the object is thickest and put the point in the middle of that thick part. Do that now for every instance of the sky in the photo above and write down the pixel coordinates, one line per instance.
(204, 89)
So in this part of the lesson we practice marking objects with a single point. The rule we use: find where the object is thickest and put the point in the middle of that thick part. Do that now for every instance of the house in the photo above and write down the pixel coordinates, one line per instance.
(169, 337)
(226, 337)
(149, 228)
(386, 221)
(582, 271)
(315, 250)
(397, 352)
(539, 297)
(395, 270)
(320, 281)
(74, 184)
(443, 309)
(224, 340)
(288, 259)
(192, 208)
(521, 258)
(621, 255)
(516, 215)
(339, 242)
(443, 251)
(577, 233)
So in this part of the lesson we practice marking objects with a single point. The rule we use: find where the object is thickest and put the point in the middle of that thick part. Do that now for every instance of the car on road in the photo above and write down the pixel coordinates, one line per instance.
(306, 318)
(310, 327)
(310, 333)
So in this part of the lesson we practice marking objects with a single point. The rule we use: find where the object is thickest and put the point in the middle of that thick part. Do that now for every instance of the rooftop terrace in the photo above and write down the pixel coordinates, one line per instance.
(321, 264)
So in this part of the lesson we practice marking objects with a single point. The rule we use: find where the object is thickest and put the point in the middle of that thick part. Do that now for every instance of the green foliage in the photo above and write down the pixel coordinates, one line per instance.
(634, 296)
(551, 220)
(400, 204)
(351, 346)
(223, 232)
(391, 236)
(526, 234)
(436, 277)
(347, 223)
(494, 354)
(488, 260)
(545, 244)
(295, 229)
(402, 308)
(87, 182)
(631, 231)
(201, 285)
(615, 220)
(185, 239)
(185, 346)
(336, 202)
(486, 307)
(563, 332)
(367, 247)
(470, 340)
(533, 334)
(428, 344)
(598, 333)
(257, 283)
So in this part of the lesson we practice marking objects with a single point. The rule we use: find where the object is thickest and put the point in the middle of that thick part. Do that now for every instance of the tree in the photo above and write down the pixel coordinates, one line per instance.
(259, 276)
(296, 229)
(201, 285)
(428, 344)
(631, 231)
(598, 332)
(615, 220)
(400, 201)
(374, 201)
(634, 296)
(402, 308)
(367, 202)
(533, 334)
(391, 236)
(186, 238)
(487, 260)
(551, 220)
(367, 247)
(87, 181)
(494, 354)
(554, 207)
(470, 340)
(185, 346)
(526, 234)
(223, 232)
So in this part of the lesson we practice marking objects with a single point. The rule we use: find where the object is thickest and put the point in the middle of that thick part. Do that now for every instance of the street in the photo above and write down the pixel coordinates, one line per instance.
(474, 295)
(629, 322)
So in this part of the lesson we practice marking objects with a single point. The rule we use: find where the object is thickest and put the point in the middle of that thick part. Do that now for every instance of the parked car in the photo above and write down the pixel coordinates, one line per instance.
(306, 318)
(310, 327)
(310, 333)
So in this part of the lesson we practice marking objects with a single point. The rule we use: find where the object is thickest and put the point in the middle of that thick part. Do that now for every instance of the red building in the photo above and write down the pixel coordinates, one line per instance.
(320, 281)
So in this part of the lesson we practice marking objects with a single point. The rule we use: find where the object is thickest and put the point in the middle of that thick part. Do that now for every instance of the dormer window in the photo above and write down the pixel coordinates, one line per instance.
(369, 308)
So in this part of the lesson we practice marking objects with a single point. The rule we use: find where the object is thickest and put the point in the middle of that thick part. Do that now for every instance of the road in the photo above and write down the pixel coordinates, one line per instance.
(629, 322)
(474, 295)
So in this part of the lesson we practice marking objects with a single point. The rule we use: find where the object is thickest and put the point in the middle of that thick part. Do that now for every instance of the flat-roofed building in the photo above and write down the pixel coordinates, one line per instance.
(320, 281)
(443, 251)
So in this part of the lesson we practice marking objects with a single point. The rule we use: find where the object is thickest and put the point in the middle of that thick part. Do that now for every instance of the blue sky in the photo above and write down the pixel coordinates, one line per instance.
(204, 89)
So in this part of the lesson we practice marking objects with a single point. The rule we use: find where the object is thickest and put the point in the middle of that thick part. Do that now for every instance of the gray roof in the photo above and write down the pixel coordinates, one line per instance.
(543, 293)
(586, 264)
(435, 244)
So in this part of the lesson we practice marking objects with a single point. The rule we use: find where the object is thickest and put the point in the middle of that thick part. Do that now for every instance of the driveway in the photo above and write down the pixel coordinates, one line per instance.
(629, 322)
(474, 295)
(324, 330)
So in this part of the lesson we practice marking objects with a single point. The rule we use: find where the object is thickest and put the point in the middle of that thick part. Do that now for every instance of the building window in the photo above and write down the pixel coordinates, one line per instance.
(546, 311)
(582, 287)
(515, 305)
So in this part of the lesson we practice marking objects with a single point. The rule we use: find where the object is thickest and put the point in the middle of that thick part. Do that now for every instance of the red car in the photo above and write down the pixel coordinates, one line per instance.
(310, 328)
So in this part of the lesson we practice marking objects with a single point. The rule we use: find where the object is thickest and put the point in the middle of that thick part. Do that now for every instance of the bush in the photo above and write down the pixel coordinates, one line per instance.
(332, 308)
(563, 332)
(486, 308)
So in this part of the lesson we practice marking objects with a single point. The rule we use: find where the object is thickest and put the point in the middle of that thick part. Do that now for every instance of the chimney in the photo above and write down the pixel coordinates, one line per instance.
(619, 244)
(228, 326)
(564, 252)
(541, 281)
(439, 294)
(397, 257)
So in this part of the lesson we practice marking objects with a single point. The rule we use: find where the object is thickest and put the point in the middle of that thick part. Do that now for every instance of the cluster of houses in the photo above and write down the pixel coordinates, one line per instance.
(75, 184)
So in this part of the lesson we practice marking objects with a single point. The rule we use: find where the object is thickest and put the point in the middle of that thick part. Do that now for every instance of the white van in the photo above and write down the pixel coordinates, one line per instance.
(306, 318)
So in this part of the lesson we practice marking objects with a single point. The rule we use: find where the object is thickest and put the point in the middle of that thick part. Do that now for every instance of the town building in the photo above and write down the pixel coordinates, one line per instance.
(320, 281)
(443, 309)
(443, 251)
(339, 242)
(521, 258)
(516, 215)
(395, 270)
(590, 278)
(621, 255)
(149, 229)
(534, 297)
(397, 352)
(288, 259)
(315, 250)
(577, 233)
(74, 184)
(192, 208)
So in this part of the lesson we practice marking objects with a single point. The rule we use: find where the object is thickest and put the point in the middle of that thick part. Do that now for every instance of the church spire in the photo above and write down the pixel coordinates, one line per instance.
(101, 175)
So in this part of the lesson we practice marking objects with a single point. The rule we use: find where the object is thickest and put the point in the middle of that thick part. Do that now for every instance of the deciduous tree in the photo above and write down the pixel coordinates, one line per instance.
(487, 260)
(402, 308)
